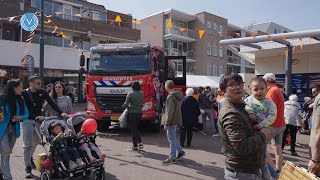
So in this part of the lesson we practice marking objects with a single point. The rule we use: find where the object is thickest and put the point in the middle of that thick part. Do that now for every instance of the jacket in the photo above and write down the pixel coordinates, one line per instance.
(315, 132)
(134, 102)
(265, 110)
(292, 113)
(190, 110)
(172, 113)
(7, 113)
(243, 146)
(206, 100)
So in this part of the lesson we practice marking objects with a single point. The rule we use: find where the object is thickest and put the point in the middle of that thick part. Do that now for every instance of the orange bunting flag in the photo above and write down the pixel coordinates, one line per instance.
(220, 34)
(284, 37)
(286, 53)
(137, 22)
(201, 33)
(29, 39)
(12, 18)
(154, 28)
(55, 29)
(64, 36)
(61, 33)
(77, 15)
(270, 38)
(31, 34)
(182, 29)
(169, 24)
(118, 19)
(70, 43)
(301, 43)
(310, 40)
(47, 22)
(253, 35)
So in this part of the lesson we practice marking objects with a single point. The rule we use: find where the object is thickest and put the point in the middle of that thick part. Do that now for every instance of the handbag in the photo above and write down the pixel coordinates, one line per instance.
(123, 119)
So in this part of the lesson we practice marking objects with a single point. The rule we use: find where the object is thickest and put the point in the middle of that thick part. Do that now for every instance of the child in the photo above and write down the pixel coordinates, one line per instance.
(262, 111)
(63, 148)
(88, 146)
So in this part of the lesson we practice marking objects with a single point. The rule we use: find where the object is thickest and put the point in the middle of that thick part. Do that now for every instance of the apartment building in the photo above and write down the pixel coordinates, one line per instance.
(236, 64)
(85, 24)
(268, 28)
(204, 56)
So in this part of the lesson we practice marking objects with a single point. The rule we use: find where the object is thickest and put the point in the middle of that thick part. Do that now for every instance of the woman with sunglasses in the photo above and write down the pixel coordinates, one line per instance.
(14, 112)
(60, 97)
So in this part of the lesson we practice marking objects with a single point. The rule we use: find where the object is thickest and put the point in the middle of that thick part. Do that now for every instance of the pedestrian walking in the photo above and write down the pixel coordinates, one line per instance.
(242, 145)
(14, 111)
(60, 97)
(134, 103)
(314, 163)
(190, 111)
(307, 115)
(292, 116)
(206, 102)
(277, 128)
(34, 97)
(173, 118)
(262, 112)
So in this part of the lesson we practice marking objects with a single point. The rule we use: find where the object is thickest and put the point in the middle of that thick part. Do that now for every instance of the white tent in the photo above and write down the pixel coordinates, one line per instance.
(202, 81)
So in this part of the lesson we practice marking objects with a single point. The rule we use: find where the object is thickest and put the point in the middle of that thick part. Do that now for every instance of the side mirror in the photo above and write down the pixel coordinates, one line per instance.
(82, 60)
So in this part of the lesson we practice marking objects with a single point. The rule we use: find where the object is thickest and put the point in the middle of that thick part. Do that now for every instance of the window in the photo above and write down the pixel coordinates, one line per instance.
(76, 40)
(215, 29)
(75, 11)
(36, 4)
(86, 45)
(103, 17)
(215, 50)
(221, 70)
(209, 70)
(214, 70)
(66, 43)
(57, 41)
(209, 27)
(221, 29)
(221, 52)
(57, 7)
(174, 44)
(209, 49)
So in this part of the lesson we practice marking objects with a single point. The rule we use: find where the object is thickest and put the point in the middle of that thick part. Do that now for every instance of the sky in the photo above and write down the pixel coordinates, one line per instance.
(294, 14)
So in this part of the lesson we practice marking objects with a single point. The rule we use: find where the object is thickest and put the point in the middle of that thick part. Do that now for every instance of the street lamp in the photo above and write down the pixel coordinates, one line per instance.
(41, 66)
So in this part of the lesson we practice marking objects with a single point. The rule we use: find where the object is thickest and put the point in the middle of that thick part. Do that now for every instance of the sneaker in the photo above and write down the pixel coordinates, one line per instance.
(72, 165)
(169, 161)
(79, 162)
(28, 174)
(181, 154)
(134, 148)
(216, 135)
(294, 154)
(33, 165)
(140, 145)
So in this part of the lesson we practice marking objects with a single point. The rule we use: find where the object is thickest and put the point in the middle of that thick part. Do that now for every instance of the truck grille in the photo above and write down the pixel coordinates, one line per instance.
(111, 102)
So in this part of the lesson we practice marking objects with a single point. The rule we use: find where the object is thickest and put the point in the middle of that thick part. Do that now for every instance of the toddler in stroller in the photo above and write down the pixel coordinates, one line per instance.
(86, 139)
(64, 144)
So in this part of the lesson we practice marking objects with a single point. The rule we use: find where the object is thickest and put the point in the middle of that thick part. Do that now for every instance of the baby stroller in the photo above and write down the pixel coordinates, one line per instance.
(57, 168)
(75, 123)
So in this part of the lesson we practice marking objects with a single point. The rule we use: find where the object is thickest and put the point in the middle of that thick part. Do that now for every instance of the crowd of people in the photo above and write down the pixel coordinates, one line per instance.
(245, 124)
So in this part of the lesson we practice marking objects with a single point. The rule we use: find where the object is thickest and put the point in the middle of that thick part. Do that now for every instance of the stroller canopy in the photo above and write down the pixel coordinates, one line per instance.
(44, 128)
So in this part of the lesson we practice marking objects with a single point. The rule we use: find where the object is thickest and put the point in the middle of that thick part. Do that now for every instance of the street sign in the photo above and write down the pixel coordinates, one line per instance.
(29, 22)
(29, 65)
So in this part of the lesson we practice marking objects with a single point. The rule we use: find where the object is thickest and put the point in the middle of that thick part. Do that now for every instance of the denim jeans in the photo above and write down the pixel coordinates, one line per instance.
(228, 175)
(6, 145)
(211, 128)
(310, 123)
(174, 143)
(273, 172)
(30, 139)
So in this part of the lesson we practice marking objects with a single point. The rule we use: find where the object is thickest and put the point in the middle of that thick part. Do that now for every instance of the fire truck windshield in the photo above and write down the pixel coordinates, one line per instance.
(120, 63)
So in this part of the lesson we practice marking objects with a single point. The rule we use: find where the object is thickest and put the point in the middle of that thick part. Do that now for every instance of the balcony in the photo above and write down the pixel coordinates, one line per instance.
(250, 65)
(176, 52)
(234, 60)
(176, 34)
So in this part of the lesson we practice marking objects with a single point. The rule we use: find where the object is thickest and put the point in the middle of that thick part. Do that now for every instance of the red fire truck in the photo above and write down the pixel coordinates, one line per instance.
(112, 69)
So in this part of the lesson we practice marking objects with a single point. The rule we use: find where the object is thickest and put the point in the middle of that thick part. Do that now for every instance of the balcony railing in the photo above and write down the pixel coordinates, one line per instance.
(185, 33)
(176, 52)
(234, 60)
(248, 64)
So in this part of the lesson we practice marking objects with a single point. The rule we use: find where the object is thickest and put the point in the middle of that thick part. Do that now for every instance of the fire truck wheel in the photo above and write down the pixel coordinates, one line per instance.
(103, 125)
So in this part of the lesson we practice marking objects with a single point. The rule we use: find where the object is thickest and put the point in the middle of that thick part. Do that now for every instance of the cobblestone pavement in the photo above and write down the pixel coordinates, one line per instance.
(203, 160)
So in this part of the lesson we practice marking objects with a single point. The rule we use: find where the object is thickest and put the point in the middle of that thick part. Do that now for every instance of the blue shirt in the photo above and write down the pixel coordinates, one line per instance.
(7, 113)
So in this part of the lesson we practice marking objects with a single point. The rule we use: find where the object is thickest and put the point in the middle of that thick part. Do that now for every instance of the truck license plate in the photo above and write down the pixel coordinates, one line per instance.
(115, 118)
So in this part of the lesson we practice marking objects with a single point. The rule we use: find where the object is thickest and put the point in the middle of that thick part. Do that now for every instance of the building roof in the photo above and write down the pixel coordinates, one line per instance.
(91, 6)
(264, 27)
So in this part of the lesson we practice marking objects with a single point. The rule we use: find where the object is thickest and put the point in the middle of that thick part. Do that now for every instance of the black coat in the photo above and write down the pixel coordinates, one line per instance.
(190, 111)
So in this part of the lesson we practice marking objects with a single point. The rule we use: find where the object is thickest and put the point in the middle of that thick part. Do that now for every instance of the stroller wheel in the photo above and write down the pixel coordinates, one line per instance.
(98, 174)
(46, 175)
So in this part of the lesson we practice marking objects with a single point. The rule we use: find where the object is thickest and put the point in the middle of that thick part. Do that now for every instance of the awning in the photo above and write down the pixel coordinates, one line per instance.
(202, 81)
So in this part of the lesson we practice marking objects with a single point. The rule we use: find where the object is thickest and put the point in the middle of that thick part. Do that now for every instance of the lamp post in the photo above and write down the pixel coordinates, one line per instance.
(41, 66)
